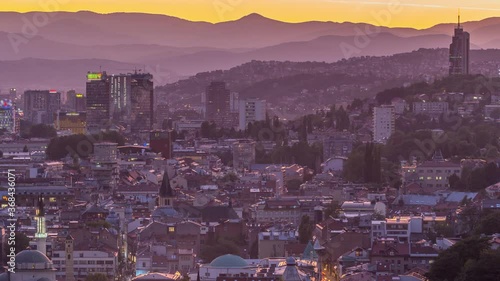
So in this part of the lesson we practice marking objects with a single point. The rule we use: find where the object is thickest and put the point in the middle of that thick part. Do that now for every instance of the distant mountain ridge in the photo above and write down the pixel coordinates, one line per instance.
(182, 48)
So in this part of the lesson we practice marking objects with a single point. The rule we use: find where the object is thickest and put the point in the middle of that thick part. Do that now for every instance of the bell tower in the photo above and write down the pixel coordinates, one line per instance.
(70, 274)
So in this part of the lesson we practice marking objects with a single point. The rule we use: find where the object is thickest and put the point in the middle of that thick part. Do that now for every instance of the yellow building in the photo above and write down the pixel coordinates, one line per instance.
(75, 122)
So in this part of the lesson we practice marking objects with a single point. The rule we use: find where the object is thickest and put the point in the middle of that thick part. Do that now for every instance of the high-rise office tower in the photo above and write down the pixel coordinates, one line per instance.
(75, 102)
(141, 102)
(217, 103)
(98, 101)
(459, 51)
(39, 106)
(7, 115)
(120, 98)
(383, 123)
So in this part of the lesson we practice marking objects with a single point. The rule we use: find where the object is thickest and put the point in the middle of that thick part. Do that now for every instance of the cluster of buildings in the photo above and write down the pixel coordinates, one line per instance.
(173, 208)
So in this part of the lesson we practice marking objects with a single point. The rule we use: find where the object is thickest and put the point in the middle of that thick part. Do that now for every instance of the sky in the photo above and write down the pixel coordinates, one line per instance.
(393, 13)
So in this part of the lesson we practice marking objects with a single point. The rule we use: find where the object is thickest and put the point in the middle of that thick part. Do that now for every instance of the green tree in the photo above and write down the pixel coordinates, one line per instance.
(96, 277)
(293, 185)
(221, 247)
(354, 166)
(489, 223)
(454, 181)
(306, 228)
(450, 263)
(486, 268)
(42, 131)
(332, 210)
(205, 129)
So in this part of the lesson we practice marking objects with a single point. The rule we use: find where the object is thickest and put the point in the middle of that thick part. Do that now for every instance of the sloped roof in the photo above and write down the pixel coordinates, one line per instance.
(218, 213)
(165, 188)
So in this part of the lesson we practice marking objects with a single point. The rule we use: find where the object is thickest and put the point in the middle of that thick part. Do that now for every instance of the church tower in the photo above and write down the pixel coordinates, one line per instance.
(41, 229)
(165, 193)
(70, 275)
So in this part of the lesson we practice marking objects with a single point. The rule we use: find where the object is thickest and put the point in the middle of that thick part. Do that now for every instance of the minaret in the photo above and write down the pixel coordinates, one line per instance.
(70, 275)
(41, 230)
(165, 193)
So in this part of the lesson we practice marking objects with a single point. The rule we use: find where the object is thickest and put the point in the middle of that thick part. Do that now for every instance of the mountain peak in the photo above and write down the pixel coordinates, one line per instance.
(254, 16)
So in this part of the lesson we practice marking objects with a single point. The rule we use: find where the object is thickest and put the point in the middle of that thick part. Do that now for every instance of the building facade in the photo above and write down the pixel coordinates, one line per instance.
(39, 106)
(76, 122)
(243, 154)
(430, 108)
(383, 123)
(251, 110)
(218, 104)
(141, 102)
(98, 101)
(459, 51)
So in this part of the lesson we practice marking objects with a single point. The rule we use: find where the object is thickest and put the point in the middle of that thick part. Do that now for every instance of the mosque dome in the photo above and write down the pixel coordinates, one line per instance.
(229, 260)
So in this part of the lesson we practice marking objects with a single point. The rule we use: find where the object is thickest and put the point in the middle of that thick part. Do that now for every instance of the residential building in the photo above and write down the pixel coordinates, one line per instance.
(430, 108)
(278, 210)
(435, 173)
(86, 262)
(272, 243)
(251, 110)
(39, 106)
(243, 154)
(338, 144)
(383, 123)
(105, 164)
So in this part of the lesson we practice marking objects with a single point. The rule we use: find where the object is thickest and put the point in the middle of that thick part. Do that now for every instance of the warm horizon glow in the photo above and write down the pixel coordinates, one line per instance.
(410, 13)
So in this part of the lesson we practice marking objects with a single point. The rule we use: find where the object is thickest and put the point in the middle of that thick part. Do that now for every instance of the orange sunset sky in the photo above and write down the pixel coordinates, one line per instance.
(407, 13)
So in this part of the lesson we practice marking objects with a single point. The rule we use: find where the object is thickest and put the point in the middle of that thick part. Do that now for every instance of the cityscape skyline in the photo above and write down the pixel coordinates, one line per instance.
(403, 13)
(251, 150)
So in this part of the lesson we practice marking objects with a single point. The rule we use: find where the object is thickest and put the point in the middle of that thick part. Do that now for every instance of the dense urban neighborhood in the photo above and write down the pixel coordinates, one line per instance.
(269, 171)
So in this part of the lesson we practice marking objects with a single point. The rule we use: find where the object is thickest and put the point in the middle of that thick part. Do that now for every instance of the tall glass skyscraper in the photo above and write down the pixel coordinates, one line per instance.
(459, 51)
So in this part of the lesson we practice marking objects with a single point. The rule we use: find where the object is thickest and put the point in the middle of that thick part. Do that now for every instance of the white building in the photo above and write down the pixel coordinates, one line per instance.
(383, 123)
(86, 263)
(489, 109)
(251, 110)
(430, 108)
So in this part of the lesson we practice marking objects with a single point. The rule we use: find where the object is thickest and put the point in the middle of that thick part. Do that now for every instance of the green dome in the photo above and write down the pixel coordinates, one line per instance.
(31, 256)
(229, 261)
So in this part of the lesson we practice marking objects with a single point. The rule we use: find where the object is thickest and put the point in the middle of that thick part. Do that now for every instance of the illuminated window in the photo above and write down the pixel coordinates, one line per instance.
(171, 229)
